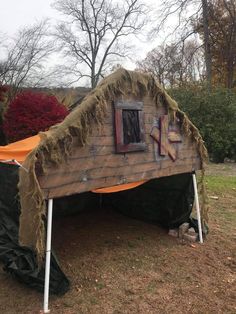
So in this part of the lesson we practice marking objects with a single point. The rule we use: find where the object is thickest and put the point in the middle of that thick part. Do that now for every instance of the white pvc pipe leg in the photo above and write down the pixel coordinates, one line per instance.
(197, 208)
(48, 257)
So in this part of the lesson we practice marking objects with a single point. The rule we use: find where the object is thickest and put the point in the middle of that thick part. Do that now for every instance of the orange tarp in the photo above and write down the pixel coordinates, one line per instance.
(19, 150)
(118, 188)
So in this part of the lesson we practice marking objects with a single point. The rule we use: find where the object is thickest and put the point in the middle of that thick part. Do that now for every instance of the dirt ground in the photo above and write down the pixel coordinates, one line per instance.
(120, 265)
(226, 170)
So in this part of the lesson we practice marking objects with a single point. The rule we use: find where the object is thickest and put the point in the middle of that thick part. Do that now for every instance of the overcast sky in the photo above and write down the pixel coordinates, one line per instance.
(15, 14)
(18, 13)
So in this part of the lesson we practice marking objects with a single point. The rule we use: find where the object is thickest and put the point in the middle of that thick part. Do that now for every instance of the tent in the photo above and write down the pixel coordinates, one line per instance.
(128, 140)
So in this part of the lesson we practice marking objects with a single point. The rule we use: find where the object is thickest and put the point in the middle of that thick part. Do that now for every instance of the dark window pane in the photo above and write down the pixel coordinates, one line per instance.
(131, 129)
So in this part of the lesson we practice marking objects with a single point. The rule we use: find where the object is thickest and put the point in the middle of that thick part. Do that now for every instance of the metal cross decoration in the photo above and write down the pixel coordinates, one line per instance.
(165, 138)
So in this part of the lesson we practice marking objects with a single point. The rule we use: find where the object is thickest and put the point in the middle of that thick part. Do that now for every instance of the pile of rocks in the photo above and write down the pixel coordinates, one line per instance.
(184, 232)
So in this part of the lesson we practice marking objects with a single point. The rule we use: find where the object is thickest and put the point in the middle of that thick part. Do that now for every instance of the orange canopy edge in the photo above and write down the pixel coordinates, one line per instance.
(20, 149)
(121, 187)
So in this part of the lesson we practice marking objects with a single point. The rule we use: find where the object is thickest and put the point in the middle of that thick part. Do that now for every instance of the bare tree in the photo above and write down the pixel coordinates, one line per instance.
(155, 63)
(187, 12)
(91, 37)
(207, 47)
(174, 65)
(24, 57)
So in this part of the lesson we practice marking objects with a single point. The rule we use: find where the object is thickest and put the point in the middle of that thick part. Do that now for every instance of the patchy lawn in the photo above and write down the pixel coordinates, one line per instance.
(121, 265)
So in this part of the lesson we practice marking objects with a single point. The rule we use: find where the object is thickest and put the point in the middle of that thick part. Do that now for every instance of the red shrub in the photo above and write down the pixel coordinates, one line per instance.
(30, 113)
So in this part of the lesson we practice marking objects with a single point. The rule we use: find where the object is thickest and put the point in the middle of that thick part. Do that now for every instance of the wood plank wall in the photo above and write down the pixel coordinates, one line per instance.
(97, 165)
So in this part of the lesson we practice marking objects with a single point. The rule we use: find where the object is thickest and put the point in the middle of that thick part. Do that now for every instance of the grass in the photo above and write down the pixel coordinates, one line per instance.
(221, 184)
(223, 187)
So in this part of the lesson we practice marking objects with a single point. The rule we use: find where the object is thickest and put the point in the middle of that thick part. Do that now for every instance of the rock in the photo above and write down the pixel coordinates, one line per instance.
(173, 233)
(183, 229)
(214, 197)
(191, 231)
(189, 237)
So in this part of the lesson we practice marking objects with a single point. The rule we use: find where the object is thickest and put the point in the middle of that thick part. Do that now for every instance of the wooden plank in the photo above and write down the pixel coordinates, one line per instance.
(97, 150)
(123, 170)
(110, 140)
(118, 128)
(186, 154)
(174, 137)
(102, 140)
(151, 117)
(168, 149)
(111, 161)
(155, 134)
(171, 152)
(164, 124)
(79, 187)
(93, 173)
(131, 147)
(85, 173)
(92, 150)
(87, 157)
(142, 127)
(147, 108)
(109, 130)
(130, 105)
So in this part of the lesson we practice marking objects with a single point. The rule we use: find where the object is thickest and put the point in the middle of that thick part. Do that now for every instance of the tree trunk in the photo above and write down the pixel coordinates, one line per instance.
(231, 60)
(208, 57)
(230, 71)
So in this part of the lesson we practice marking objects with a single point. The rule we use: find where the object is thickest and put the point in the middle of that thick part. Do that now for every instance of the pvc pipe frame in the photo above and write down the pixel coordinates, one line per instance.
(197, 208)
(48, 257)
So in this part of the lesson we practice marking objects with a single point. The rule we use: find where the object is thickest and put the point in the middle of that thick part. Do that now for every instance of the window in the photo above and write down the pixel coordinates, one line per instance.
(129, 126)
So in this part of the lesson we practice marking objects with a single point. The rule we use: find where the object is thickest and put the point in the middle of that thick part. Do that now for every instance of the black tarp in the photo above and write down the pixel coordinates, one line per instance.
(21, 261)
(167, 201)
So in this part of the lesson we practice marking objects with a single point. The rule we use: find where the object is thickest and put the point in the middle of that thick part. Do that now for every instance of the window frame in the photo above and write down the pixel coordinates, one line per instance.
(121, 147)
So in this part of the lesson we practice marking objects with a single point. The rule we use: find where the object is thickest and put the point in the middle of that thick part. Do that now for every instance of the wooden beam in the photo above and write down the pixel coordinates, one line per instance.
(164, 124)
(174, 137)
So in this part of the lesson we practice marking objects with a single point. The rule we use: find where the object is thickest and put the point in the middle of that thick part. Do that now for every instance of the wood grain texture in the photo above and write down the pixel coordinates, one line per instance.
(174, 137)
(75, 187)
(164, 124)
(97, 165)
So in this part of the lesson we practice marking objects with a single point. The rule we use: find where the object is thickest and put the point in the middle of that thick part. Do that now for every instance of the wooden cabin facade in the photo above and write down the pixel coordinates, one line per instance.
(160, 149)
(127, 130)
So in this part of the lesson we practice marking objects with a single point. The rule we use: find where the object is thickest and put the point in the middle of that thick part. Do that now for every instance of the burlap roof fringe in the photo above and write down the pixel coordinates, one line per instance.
(56, 144)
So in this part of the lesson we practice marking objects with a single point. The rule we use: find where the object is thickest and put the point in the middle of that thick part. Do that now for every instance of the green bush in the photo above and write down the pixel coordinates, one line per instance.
(214, 113)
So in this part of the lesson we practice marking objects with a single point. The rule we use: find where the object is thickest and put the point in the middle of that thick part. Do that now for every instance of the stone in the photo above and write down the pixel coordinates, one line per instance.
(173, 233)
(214, 197)
(190, 238)
(183, 229)
(191, 231)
